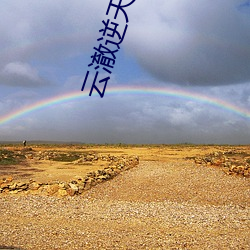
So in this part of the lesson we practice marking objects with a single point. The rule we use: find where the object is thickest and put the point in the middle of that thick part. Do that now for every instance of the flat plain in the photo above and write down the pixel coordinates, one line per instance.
(177, 197)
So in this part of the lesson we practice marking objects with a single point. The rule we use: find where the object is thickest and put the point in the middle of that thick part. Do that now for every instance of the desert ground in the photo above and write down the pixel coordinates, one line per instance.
(102, 197)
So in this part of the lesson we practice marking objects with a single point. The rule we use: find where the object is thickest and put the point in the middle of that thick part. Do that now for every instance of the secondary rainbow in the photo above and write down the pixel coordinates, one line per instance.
(126, 90)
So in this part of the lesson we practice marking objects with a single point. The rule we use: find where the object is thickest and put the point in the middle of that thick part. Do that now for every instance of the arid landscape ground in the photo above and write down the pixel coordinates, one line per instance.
(102, 197)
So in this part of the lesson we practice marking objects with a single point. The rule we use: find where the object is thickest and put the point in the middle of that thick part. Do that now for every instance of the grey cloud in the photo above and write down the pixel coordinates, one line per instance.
(48, 30)
(21, 74)
(192, 43)
(184, 42)
(44, 32)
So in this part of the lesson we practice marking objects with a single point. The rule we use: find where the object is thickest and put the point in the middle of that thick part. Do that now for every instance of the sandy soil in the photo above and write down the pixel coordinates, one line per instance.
(167, 202)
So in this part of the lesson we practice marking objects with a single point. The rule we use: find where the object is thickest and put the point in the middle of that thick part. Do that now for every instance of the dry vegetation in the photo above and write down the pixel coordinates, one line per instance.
(178, 197)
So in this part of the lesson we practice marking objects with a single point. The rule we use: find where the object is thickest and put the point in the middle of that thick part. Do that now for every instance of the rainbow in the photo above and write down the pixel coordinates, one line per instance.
(126, 90)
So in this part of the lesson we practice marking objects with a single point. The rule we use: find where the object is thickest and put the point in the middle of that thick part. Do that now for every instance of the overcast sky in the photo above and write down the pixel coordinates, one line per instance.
(201, 47)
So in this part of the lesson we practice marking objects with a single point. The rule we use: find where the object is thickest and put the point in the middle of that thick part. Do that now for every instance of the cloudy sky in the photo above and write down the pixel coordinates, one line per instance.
(201, 48)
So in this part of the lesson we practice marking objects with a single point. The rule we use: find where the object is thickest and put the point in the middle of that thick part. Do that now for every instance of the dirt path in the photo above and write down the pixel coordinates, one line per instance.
(158, 205)
(178, 181)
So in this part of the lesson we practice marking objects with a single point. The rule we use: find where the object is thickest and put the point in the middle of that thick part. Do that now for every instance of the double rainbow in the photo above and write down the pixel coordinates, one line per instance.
(131, 91)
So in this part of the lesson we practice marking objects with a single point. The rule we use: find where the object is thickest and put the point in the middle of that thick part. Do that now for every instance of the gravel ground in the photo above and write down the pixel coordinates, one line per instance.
(171, 205)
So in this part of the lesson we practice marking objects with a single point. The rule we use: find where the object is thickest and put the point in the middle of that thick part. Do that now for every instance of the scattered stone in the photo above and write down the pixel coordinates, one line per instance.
(22, 185)
(80, 188)
(62, 185)
(52, 189)
(34, 186)
(4, 185)
(13, 186)
(71, 192)
(29, 156)
(73, 187)
(62, 192)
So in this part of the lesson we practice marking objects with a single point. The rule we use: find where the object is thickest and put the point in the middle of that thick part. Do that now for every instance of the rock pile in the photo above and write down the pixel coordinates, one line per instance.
(233, 163)
(51, 155)
(75, 157)
(76, 186)
(8, 157)
(62, 156)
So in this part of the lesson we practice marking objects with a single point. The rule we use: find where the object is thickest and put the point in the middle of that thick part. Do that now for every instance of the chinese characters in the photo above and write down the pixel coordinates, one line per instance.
(103, 59)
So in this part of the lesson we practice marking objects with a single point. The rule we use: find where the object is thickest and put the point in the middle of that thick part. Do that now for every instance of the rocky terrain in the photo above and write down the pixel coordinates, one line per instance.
(232, 162)
(116, 164)
(167, 201)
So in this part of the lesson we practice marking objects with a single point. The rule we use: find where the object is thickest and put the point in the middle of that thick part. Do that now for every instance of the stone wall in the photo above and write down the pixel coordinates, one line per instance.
(76, 186)
(232, 163)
